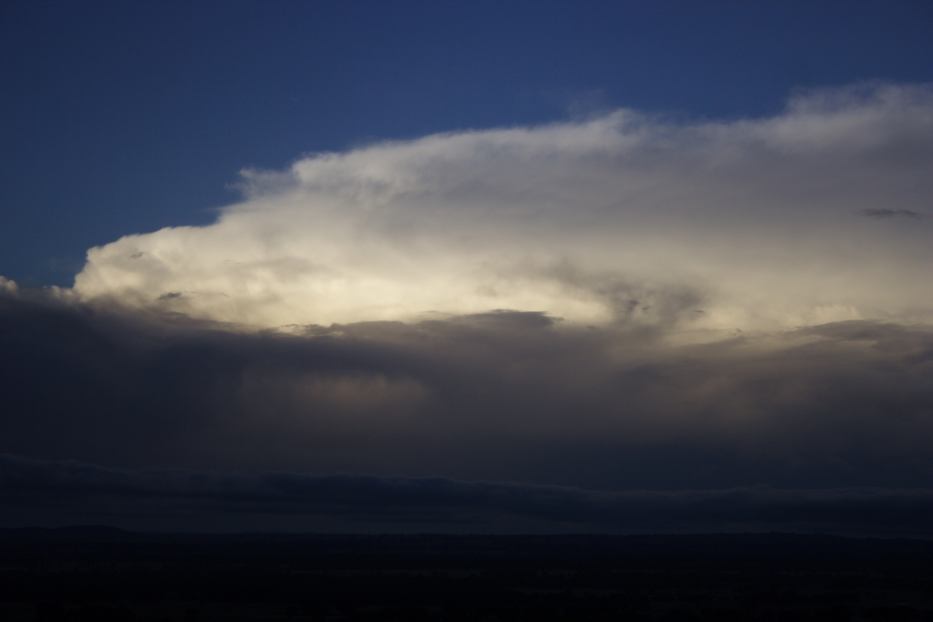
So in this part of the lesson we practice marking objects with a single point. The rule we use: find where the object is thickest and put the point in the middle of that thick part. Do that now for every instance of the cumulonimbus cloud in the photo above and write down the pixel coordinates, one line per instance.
(499, 396)
(626, 218)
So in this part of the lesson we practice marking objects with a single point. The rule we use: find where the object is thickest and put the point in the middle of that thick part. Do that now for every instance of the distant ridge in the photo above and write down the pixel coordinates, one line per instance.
(572, 546)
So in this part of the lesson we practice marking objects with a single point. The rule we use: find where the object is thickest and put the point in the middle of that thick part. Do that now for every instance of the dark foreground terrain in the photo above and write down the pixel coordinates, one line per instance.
(103, 574)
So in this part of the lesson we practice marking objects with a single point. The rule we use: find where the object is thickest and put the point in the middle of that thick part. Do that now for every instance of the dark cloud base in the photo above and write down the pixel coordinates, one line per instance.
(195, 426)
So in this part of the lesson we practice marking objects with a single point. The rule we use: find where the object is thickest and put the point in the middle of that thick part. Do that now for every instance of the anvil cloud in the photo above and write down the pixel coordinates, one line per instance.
(692, 226)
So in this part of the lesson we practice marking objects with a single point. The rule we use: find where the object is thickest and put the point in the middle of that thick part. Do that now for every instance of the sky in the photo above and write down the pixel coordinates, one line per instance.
(472, 267)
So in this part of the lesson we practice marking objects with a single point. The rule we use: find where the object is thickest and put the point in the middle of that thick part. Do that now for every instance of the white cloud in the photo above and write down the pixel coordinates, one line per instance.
(755, 223)
(8, 286)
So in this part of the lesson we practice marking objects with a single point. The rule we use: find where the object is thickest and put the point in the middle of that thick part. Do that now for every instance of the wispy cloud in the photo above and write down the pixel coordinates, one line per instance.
(882, 212)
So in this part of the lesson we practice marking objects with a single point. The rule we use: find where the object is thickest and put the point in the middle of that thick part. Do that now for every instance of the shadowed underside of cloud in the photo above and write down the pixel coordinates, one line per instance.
(625, 218)
(218, 501)
(498, 396)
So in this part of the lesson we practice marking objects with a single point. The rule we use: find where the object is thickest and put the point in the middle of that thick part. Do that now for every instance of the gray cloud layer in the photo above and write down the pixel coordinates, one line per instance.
(500, 396)
(755, 222)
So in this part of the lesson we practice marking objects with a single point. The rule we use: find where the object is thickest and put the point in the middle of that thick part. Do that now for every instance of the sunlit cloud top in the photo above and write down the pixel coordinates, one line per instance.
(819, 213)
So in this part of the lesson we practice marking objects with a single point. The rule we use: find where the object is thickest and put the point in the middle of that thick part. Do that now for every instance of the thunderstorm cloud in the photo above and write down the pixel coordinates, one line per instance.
(606, 324)
(696, 225)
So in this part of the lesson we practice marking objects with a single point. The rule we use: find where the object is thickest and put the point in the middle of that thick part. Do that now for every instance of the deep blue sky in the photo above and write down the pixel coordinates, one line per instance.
(129, 116)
